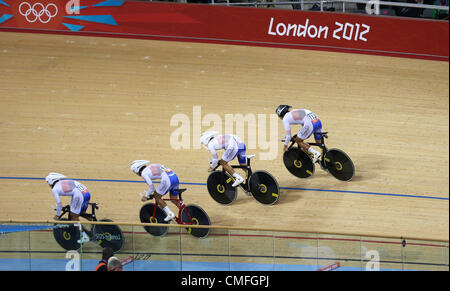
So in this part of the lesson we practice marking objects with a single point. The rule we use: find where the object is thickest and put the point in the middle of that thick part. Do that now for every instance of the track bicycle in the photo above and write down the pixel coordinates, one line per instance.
(190, 214)
(334, 161)
(259, 184)
(68, 236)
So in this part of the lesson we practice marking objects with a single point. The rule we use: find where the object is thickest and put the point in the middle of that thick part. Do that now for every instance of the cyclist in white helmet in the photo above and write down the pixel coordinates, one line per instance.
(311, 124)
(80, 197)
(233, 146)
(169, 184)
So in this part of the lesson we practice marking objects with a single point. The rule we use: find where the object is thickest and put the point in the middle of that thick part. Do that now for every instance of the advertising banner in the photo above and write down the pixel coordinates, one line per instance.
(330, 31)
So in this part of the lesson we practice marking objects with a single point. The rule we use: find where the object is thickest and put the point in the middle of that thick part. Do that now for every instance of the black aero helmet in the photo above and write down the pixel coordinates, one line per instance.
(282, 110)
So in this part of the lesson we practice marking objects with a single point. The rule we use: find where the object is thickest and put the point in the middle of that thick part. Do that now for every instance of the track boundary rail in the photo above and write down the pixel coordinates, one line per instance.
(224, 227)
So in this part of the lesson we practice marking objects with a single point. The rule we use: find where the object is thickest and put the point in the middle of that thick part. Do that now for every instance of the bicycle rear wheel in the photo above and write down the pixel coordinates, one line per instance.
(220, 189)
(298, 163)
(339, 165)
(108, 235)
(264, 187)
(197, 216)
(146, 216)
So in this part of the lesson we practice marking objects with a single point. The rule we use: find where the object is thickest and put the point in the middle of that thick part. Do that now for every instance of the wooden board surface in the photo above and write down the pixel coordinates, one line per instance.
(87, 107)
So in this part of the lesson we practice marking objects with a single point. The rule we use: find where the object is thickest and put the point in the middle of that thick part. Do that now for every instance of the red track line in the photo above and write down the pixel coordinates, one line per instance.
(298, 237)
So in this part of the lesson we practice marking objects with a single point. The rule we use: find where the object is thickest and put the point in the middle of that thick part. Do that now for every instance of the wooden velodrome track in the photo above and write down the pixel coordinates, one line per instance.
(87, 107)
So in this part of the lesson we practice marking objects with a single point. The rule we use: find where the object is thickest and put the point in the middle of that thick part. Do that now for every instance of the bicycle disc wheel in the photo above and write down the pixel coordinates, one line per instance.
(67, 236)
(339, 165)
(108, 236)
(146, 216)
(298, 163)
(220, 189)
(197, 216)
(264, 187)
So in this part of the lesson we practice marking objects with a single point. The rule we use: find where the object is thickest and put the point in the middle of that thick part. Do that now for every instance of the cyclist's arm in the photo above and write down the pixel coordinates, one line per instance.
(215, 157)
(151, 187)
(58, 201)
(287, 128)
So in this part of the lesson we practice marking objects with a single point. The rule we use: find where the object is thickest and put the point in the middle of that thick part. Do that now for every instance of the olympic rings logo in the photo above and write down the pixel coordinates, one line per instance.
(38, 12)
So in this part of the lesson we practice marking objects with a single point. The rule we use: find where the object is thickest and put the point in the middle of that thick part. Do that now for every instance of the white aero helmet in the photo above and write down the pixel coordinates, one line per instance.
(206, 137)
(54, 177)
(137, 165)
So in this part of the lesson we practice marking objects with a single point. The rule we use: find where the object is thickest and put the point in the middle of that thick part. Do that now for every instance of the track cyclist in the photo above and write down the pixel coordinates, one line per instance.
(80, 197)
(169, 184)
(233, 146)
(311, 124)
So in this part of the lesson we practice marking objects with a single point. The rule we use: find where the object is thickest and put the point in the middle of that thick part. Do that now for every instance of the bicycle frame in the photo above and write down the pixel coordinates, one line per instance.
(89, 216)
(321, 145)
(247, 168)
(180, 210)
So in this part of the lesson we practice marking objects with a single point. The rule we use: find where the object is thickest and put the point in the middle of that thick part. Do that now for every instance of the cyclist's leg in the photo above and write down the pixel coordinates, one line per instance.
(229, 154)
(304, 133)
(317, 130)
(173, 191)
(162, 189)
(78, 205)
(74, 216)
(241, 154)
(85, 205)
